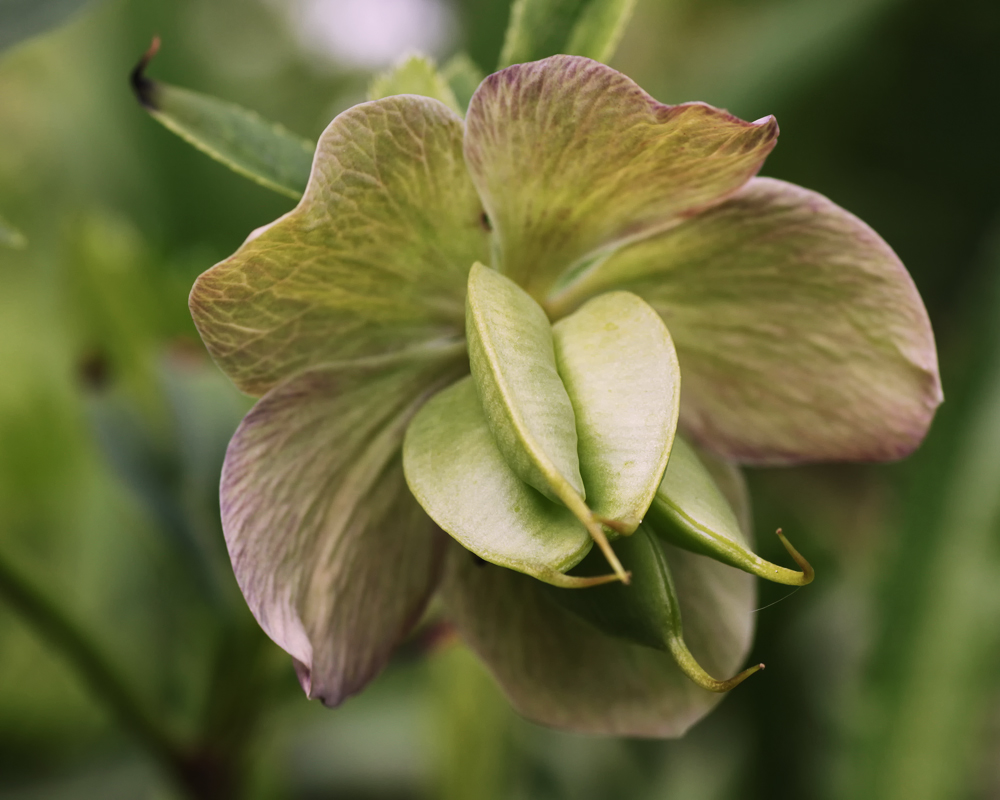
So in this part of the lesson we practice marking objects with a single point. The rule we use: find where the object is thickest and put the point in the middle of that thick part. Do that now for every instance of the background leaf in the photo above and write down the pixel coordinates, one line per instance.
(541, 28)
(919, 717)
(22, 19)
(11, 237)
(416, 74)
(463, 77)
(239, 138)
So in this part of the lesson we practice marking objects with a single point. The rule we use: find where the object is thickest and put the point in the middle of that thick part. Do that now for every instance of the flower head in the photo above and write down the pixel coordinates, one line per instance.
(605, 265)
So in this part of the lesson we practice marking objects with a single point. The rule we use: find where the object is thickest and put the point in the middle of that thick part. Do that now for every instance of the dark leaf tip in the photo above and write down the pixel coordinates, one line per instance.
(143, 86)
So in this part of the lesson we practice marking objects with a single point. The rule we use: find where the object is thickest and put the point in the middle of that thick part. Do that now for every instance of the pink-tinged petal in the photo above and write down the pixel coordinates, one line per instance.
(560, 671)
(800, 335)
(372, 261)
(334, 556)
(572, 159)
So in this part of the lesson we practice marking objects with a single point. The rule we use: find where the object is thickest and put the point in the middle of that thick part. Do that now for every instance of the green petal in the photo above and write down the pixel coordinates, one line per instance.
(563, 672)
(260, 150)
(573, 159)
(618, 364)
(372, 262)
(690, 511)
(540, 28)
(514, 367)
(800, 334)
(415, 74)
(458, 475)
(335, 558)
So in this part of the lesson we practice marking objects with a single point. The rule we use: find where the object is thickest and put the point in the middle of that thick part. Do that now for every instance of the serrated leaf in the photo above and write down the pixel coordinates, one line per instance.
(541, 28)
(458, 475)
(241, 139)
(371, 264)
(415, 74)
(513, 363)
(801, 336)
(22, 19)
(573, 160)
(463, 77)
(618, 364)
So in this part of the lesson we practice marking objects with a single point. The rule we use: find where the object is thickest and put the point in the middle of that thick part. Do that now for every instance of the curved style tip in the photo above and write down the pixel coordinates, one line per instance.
(143, 87)
(690, 667)
(732, 683)
(808, 573)
(598, 535)
(619, 527)
(580, 582)
(595, 528)
(756, 565)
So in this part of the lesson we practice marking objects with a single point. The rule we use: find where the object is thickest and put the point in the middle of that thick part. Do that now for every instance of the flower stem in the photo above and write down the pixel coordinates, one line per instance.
(103, 679)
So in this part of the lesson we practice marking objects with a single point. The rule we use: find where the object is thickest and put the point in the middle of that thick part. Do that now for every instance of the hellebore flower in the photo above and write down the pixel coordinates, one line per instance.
(629, 246)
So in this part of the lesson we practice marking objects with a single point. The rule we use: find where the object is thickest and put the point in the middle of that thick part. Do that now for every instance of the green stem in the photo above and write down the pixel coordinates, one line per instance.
(105, 682)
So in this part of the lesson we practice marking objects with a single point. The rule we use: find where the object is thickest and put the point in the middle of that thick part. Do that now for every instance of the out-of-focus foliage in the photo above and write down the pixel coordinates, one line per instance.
(882, 675)
(253, 147)
(10, 236)
(541, 28)
(20, 19)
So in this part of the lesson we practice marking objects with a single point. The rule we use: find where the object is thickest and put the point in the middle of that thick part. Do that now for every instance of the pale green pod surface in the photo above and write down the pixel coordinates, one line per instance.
(457, 473)
(513, 363)
(690, 511)
(415, 74)
(618, 364)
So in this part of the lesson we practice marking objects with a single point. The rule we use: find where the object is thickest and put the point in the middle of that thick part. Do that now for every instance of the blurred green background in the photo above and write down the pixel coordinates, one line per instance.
(883, 677)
